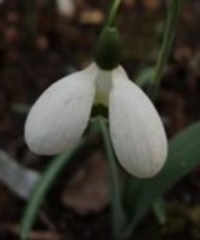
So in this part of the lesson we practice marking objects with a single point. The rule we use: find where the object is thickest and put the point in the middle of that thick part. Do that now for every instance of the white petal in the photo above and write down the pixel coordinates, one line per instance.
(60, 115)
(136, 129)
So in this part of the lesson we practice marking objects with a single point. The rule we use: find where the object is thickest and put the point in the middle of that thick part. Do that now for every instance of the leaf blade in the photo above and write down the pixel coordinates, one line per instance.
(184, 155)
(43, 186)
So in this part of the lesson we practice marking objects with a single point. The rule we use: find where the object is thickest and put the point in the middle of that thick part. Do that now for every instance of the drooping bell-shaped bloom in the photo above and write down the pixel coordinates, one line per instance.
(59, 117)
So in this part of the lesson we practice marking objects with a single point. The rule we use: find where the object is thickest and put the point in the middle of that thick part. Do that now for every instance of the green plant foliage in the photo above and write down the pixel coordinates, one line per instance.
(48, 178)
(145, 77)
(159, 210)
(184, 156)
(44, 184)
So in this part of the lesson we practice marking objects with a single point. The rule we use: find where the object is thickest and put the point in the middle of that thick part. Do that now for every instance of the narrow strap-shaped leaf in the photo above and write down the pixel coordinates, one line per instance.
(168, 38)
(16, 177)
(43, 186)
(159, 210)
(184, 156)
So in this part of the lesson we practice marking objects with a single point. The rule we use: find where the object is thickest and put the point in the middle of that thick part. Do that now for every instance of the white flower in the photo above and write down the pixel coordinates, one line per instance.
(59, 117)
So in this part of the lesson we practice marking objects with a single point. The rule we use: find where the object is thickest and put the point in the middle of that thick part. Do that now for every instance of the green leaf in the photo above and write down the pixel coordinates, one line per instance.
(47, 180)
(16, 177)
(159, 210)
(183, 157)
(43, 186)
(145, 77)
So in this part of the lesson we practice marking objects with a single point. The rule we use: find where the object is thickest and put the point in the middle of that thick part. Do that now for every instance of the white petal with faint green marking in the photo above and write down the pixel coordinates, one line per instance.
(61, 114)
(136, 129)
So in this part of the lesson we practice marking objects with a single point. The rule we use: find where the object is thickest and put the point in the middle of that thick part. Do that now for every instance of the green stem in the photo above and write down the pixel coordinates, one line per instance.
(169, 35)
(108, 48)
(118, 215)
(113, 12)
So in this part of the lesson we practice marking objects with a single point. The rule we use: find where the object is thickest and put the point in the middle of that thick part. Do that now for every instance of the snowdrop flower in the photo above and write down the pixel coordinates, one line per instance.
(59, 117)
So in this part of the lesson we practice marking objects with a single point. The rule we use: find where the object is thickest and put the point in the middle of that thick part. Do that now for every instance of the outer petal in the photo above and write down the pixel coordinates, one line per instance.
(59, 117)
(136, 129)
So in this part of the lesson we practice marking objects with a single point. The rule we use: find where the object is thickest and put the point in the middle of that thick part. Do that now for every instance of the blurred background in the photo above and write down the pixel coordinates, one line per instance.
(44, 40)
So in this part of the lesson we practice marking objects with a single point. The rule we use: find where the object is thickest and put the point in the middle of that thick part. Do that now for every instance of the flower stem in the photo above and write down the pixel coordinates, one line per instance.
(169, 35)
(118, 214)
(108, 49)
(113, 12)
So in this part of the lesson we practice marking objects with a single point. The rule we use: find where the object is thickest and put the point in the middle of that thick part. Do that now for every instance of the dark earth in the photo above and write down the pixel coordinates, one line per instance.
(39, 45)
